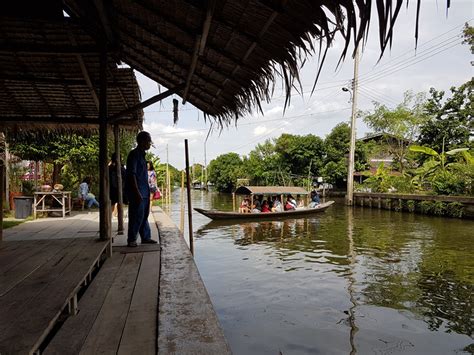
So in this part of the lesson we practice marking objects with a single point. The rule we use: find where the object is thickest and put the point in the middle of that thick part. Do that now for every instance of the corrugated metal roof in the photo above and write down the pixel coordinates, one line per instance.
(271, 190)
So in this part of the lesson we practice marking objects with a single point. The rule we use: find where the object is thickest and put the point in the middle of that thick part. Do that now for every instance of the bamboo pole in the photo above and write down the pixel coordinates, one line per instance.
(188, 187)
(233, 201)
(119, 180)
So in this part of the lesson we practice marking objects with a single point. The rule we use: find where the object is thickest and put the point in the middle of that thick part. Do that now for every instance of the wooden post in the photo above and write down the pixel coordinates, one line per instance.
(188, 187)
(233, 201)
(119, 180)
(7, 175)
(181, 224)
(104, 201)
(251, 202)
(2, 191)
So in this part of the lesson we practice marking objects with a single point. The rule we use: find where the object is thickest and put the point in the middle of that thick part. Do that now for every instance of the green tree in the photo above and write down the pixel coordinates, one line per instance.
(225, 170)
(401, 124)
(451, 120)
(262, 164)
(468, 34)
(337, 150)
(298, 153)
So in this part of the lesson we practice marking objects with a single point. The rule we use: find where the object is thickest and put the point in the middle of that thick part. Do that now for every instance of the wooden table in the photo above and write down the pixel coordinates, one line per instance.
(62, 197)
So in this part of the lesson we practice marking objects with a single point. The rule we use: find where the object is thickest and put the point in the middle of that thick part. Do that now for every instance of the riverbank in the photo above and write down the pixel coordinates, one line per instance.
(447, 206)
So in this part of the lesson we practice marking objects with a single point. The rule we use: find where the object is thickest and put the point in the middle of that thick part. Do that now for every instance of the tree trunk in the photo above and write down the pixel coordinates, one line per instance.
(56, 173)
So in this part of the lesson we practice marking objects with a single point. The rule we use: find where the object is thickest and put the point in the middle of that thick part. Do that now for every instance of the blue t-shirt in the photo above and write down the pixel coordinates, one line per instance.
(136, 165)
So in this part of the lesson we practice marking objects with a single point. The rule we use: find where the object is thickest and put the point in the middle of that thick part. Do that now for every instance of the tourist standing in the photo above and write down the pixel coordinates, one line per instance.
(138, 192)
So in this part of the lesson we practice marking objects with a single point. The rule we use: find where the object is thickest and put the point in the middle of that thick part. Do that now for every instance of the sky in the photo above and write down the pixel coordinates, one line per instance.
(439, 61)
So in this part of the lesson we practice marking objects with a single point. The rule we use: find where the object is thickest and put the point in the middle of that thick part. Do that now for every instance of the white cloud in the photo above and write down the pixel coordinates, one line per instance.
(259, 130)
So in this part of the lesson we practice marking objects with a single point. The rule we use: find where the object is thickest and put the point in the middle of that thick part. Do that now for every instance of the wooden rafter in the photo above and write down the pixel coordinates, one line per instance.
(49, 49)
(249, 51)
(55, 80)
(185, 31)
(35, 88)
(104, 19)
(199, 47)
(146, 103)
(212, 84)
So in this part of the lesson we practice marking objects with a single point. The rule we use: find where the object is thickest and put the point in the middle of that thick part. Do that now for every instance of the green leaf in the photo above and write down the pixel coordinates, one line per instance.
(458, 150)
(425, 150)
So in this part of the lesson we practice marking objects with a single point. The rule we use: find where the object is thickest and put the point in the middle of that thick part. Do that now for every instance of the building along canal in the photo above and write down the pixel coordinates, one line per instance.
(347, 281)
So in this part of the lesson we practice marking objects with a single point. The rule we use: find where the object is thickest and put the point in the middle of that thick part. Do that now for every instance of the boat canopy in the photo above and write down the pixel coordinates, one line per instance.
(270, 190)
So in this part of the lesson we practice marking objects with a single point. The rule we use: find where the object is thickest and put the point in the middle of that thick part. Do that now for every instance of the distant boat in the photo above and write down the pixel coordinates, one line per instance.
(269, 191)
(198, 185)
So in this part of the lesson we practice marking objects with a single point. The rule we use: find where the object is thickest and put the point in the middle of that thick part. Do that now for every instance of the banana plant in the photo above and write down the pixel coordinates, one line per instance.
(438, 160)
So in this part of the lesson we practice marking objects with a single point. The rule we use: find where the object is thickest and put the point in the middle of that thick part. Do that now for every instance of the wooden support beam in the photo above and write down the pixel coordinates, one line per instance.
(144, 104)
(104, 200)
(2, 191)
(119, 179)
(199, 47)
(104, 19)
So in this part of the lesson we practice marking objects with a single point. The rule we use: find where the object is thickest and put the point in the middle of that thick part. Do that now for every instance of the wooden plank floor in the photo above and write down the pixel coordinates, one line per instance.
(38, 278)
(118, 312)
(79, 224)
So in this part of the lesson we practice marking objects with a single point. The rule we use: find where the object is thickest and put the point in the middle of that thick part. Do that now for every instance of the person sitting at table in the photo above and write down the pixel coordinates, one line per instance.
(85, 194)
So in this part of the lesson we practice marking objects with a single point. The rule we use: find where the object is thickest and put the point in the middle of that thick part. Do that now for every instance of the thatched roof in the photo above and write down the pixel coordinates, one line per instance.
(270, 190)
(44, 91)
(229, 53)
(223, 56)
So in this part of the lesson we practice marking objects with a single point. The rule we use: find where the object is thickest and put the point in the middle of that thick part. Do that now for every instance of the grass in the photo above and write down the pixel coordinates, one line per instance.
(12, 223)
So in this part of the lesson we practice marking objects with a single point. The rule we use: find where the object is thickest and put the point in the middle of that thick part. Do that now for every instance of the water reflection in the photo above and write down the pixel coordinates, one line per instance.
(346, 281)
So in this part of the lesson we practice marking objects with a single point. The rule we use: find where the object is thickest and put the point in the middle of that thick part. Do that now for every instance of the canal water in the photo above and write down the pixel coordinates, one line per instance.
(347, 281)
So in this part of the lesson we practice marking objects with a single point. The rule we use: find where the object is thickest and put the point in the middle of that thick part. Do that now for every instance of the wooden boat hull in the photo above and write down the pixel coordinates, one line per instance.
(221, 215)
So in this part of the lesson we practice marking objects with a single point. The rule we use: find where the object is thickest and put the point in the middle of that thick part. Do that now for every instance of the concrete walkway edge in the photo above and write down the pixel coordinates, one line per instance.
(187, 321)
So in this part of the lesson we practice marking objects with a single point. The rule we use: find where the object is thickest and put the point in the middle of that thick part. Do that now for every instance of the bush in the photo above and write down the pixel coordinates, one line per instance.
(448, 183)
(411, 206)
(455, 209)
(403, 184)
(439, 208)
(426, 207)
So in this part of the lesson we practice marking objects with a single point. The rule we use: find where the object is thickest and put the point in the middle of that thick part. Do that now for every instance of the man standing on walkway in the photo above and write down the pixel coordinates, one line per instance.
(138, 192)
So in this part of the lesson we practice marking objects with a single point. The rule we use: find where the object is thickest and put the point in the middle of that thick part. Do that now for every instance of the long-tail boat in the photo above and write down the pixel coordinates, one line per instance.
(268, 191)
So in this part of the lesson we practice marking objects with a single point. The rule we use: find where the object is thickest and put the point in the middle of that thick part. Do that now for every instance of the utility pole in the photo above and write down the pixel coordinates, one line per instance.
(350, 170)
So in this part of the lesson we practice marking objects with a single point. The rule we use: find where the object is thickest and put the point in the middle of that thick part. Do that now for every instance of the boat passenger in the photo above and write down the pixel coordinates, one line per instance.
(265, 207)
(314, 199)
(245, 205)
(257, 204)
(290, 203)
(277, 207)
(299, 202)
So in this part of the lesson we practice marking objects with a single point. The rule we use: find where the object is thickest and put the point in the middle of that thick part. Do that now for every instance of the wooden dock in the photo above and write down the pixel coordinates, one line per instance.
(59, 294)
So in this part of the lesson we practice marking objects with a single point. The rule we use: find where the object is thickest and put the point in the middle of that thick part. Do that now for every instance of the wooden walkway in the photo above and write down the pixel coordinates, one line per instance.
(54, 298)
(39, 280)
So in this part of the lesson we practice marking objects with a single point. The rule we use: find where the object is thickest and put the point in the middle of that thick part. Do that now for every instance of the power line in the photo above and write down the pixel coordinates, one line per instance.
(259, 138)
(422, 45)
(409, 65)
(377, 97)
